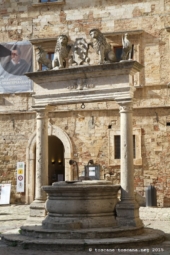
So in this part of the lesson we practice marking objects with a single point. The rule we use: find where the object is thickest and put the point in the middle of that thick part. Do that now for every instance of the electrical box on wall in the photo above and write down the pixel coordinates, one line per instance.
(92, 172)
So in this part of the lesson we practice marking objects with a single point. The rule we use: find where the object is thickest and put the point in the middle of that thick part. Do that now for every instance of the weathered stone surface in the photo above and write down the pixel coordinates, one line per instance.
(80, 205)
(139, 199)
(149, 236)
(37, 211)
(101, 82)
(21, 20)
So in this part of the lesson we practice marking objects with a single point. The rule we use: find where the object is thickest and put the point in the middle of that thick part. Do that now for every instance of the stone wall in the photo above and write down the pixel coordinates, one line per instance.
(88, 129)
(15, 132)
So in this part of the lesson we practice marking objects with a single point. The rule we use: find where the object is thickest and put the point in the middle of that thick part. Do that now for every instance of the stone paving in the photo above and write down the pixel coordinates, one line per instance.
(14, 216)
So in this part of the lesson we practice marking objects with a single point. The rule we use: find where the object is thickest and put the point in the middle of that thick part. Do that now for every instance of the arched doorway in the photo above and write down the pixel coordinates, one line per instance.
(53, 131)
(56, 162)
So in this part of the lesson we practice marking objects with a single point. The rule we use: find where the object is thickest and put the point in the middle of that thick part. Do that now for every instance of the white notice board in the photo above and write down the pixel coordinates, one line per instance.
(5, 191)
(92, 171)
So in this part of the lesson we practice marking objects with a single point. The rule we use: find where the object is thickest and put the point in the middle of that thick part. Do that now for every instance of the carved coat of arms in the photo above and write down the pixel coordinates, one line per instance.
(80, 52)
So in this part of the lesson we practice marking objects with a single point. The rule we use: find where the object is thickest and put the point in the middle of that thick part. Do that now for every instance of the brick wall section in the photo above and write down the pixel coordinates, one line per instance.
(20, 20)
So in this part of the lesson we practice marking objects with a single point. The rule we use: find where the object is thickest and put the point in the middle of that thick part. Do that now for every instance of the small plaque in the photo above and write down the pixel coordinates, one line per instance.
(92, 172)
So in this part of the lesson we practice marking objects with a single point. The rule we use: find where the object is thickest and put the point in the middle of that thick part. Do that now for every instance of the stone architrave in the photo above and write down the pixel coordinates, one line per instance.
(37, 206)
(127, 209)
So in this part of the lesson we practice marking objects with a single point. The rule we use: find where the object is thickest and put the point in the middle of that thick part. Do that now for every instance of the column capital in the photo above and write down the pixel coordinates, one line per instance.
(125, 107)
(41, 113)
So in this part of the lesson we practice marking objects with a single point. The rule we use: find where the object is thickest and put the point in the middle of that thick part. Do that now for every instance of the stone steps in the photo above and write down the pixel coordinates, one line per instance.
(92, 233)
(149, 236)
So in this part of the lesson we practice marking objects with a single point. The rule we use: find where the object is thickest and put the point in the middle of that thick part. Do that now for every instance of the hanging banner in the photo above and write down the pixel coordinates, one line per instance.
(15, 61)
(20, 176)
(5, 191)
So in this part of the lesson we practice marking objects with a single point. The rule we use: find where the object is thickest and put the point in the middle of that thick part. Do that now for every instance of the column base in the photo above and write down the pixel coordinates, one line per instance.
(37, 208)
(128, 214)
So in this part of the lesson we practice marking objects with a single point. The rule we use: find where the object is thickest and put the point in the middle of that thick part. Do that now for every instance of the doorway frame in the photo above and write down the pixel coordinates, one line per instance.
(30, 159)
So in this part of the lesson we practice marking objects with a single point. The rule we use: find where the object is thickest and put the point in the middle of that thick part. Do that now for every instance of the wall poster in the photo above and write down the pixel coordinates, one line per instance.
(15, 61)
(5, 191)
(20, 176)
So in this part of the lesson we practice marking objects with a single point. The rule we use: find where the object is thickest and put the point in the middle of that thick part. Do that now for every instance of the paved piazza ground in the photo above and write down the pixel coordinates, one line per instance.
(14, 216)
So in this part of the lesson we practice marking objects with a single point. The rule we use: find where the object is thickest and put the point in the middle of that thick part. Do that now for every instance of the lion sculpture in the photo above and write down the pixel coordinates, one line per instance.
(42, 59)
(102, 48)
(61, 52)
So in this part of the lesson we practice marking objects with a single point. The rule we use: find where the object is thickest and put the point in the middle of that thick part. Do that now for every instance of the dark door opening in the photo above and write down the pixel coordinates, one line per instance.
(56, 164)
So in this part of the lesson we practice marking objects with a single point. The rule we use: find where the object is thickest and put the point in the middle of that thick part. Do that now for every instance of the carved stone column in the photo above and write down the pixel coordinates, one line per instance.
(41, 175)
(127, 183)
(41, 155)
(127, 209)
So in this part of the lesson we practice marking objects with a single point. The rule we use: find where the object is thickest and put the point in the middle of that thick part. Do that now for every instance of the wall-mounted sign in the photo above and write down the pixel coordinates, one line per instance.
(92, 172)
(20, 176)
(5, 191)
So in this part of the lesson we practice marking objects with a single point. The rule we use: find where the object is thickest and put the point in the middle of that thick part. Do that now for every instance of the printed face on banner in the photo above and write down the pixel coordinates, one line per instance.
(15, 61)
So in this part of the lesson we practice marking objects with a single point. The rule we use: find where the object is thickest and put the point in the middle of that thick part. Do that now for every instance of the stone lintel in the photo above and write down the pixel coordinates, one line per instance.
(35, 41)
(40, 108)
(130, 32)
(85, 84)
(48, 3)
(84, 97)
(84, 72)
(125, 98)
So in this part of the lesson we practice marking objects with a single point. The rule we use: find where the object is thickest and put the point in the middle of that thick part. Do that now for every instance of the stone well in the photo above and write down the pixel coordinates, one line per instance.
(81, 205)
(81, 216)
(80, 209)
